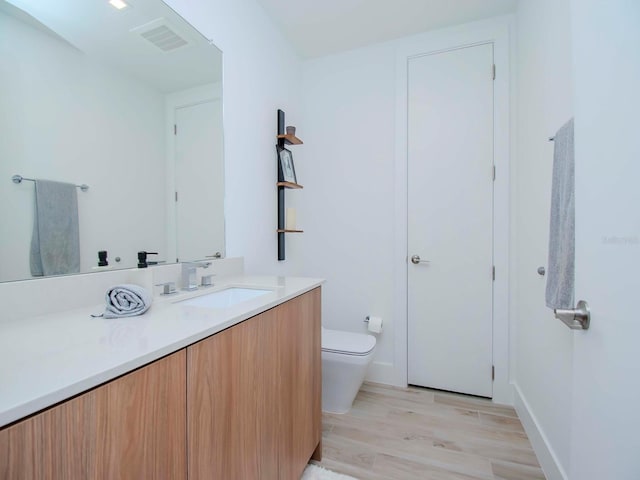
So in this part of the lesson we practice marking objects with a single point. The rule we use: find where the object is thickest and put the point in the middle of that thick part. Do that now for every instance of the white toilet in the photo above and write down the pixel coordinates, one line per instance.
(345, 358)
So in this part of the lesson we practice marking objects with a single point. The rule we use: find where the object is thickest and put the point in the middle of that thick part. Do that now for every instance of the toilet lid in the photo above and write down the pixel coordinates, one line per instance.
(347, 343)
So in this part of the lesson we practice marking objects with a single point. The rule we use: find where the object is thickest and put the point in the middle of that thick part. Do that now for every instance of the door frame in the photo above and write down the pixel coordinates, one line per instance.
(495, 31)
(173, 101)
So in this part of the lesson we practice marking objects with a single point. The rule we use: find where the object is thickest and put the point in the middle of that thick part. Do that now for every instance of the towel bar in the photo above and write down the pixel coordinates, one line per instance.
(19, 178)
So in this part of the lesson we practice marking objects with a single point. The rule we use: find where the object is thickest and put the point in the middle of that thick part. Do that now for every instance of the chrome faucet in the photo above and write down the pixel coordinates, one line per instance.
(189, 281)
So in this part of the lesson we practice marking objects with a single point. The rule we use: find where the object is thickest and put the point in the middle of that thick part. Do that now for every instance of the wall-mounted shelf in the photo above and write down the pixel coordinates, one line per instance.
(290, 139)
(289, 185)
(284, 139)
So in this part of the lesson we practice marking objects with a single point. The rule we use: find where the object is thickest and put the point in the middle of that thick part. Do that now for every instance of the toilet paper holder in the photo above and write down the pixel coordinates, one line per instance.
(374, 324)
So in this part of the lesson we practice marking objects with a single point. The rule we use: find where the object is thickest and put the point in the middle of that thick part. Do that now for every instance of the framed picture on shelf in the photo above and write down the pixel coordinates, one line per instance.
(286, 165)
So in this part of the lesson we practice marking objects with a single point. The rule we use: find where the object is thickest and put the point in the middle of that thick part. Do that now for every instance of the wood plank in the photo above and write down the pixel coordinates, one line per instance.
(419, 433)
(338, 450)
(440, 425)
(474, 403)
(420, 406)
(412, 393)
(289, 185)
(476, 446)
(506, 471)
(346, 468)
(290, 139)
(500, 421)
(397, 467)
(418, 448)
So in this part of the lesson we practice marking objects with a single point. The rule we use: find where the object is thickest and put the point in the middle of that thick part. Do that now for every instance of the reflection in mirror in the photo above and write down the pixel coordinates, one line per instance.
(126, 101)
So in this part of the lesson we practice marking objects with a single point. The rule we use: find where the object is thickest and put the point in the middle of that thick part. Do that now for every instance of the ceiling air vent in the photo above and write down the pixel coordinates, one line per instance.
(162, 34)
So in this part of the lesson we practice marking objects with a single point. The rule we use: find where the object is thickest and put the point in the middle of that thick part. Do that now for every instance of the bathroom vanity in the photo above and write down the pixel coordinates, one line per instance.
(192, 392)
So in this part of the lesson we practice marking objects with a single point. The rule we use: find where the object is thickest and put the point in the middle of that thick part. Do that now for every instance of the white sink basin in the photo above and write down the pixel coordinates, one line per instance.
(225, 298)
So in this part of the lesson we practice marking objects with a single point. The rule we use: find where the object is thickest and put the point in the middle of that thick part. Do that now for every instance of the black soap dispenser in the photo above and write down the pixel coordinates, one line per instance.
(102, 258)
(142, 258)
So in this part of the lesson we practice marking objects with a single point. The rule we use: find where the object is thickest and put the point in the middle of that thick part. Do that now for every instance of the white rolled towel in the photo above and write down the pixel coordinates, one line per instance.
(126, 301)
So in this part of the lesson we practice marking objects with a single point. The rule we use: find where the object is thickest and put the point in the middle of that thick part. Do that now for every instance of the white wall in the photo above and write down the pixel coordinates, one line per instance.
(261, 73)
(55, 127)
(347, 206)
(352, 206)
(542, 346)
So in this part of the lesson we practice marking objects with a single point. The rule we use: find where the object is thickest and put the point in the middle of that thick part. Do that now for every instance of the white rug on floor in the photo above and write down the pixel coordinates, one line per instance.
(314, 472)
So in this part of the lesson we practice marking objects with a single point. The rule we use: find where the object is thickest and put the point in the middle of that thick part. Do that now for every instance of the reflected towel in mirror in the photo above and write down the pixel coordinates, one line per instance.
(55, 243)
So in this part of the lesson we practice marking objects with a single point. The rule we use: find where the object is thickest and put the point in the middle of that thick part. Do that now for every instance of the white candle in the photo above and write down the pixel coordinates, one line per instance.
(290, 219)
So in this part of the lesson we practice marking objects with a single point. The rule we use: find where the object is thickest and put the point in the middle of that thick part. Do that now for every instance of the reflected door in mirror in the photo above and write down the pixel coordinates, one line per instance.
(199, 184)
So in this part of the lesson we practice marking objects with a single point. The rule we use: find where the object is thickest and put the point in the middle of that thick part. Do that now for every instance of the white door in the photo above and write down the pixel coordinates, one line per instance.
(605, 439)
(450, 220)
(199, 186)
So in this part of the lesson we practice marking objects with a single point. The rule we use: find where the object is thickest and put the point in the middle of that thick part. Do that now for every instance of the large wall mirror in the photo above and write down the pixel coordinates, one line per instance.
(127, 101)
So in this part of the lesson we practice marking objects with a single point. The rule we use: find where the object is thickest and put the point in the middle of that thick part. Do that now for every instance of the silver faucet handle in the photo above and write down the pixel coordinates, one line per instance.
(169, 288)
(215, 255)
(195, 264)
(206, 280)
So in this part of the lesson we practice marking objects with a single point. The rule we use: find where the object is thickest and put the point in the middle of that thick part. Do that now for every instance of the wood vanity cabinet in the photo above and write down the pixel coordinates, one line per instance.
(242, 404)
(299, 383)
(129, 428)
(254, 393)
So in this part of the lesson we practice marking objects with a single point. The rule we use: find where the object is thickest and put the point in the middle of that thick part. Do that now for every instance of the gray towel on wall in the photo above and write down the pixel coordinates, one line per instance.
(126, 301)
(55, 244)
(561, 268)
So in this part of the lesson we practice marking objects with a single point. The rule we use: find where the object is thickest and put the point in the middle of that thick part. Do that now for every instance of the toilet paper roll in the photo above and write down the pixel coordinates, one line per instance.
(375, 324)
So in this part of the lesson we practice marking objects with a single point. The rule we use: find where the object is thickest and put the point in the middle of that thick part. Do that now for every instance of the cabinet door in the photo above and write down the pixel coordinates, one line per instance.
(141, 423)
(56, 444)
(300, 383)
(232, 405)
(130, 428)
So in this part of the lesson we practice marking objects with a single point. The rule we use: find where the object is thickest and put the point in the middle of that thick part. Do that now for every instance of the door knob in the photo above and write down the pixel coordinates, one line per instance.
(416, 260)
(577, 318)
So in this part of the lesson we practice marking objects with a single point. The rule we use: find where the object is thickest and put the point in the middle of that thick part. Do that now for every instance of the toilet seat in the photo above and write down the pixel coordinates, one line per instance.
(347, 343)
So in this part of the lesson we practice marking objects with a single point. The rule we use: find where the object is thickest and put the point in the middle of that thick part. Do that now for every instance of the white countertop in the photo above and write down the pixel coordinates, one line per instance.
(49, 358)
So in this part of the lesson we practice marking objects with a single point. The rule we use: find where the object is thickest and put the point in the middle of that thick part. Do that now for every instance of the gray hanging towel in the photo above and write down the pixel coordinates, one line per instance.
(561, 268)
(55, 244)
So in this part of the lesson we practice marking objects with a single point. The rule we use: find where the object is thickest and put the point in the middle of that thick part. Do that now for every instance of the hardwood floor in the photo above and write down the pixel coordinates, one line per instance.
(417, 433)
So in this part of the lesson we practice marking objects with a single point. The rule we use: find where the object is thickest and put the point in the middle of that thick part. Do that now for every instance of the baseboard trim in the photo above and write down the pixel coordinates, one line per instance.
(546, 456)
(384, 373)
